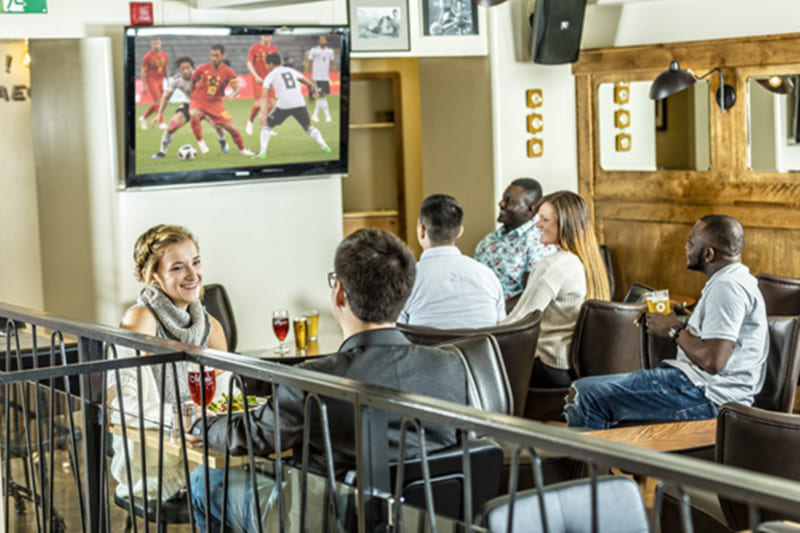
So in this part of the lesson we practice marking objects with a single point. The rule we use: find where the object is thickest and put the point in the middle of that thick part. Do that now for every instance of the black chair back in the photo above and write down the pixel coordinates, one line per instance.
(517, 342)
(635, 293)
(783, 365)
(489, 387)
(758, 440)
(781, 294)
(215, 299)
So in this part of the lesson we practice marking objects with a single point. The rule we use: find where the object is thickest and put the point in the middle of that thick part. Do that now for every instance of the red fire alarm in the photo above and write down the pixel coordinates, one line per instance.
(141, 13)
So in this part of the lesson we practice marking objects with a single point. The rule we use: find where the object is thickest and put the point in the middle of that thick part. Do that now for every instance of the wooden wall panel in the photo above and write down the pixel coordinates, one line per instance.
(645, 216)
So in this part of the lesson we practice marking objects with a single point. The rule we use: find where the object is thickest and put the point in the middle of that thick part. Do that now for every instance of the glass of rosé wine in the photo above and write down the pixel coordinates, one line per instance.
(280, 325)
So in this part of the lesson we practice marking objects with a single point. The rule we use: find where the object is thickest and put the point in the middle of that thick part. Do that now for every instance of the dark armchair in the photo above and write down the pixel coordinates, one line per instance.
(750, 438)
(215, 299)
(781, 294)
(517, 342)
(605, 341)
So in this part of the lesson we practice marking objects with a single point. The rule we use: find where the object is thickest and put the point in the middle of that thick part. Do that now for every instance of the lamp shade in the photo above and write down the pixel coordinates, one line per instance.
(670, 82)
(777, 84)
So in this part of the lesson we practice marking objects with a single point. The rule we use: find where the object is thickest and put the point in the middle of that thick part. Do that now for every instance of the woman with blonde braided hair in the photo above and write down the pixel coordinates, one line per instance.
(559, 284)
(168, 262)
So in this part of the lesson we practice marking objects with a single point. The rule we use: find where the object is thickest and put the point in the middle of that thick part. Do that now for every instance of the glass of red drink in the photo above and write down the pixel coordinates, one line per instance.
(280, 325)
(209, 381)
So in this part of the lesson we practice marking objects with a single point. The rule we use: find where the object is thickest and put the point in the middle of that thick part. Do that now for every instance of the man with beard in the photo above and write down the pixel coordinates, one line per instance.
(721, 352)
(512, 250)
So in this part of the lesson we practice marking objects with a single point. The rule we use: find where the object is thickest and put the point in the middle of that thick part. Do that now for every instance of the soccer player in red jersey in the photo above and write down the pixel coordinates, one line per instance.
(154, 68)
(208, 94)
(257, 65)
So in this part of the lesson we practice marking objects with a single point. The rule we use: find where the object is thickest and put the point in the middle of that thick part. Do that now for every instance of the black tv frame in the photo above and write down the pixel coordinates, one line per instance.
(257, 171)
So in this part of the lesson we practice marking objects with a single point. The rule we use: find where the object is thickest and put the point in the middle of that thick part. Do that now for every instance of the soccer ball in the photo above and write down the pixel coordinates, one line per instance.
(187, 152)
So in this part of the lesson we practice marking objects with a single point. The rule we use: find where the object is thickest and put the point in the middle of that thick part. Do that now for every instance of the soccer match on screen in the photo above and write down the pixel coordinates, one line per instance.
(226, 101)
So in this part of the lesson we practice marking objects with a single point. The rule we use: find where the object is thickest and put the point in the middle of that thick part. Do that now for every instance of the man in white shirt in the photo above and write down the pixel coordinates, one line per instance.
(318, 68)
(286, 82)
(451, 290)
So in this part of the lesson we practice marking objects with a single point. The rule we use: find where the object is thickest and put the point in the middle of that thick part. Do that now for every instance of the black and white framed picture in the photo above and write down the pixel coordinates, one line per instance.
(449, 17)
(379, 25)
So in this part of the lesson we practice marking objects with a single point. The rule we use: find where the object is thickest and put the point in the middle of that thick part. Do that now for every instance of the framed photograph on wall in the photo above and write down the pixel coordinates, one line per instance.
(449, 17)
(379, 25)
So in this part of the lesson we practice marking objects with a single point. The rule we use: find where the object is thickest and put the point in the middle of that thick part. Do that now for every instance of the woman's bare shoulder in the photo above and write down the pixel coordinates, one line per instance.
(139, 319)
(216, 337)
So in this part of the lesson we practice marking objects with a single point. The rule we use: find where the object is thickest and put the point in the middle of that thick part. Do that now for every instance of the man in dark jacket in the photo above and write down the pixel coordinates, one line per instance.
(372, 278)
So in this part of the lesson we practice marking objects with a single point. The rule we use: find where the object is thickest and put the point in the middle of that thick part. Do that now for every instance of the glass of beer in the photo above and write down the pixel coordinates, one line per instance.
(301, 333)
(658, 302)
(313, 324)
(207, 382)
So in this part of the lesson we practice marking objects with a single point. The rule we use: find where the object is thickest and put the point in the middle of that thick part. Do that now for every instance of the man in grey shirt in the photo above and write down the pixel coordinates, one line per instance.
(721, 353)
(451, 290)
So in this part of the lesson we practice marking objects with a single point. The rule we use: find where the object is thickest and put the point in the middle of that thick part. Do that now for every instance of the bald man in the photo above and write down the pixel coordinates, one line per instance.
(721, 353)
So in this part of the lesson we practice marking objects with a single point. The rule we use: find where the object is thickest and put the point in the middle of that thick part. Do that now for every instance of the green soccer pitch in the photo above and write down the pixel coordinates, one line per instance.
(290, 145)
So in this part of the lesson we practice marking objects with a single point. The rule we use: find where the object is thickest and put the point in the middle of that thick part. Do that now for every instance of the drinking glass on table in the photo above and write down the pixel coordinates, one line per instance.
(280, 325)
(208, 382)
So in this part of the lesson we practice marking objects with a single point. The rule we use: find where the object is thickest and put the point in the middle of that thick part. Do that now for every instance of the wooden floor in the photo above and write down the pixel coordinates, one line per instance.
(66, 503)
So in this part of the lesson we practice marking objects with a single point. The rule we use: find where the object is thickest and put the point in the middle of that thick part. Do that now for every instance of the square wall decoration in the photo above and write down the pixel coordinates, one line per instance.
(379, 25)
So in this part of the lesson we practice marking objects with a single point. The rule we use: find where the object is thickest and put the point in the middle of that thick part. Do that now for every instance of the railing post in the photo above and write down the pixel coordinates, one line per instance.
(91, 395)
(372, 467)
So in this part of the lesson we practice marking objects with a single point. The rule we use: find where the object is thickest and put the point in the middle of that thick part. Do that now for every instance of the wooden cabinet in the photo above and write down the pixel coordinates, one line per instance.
(373, 191)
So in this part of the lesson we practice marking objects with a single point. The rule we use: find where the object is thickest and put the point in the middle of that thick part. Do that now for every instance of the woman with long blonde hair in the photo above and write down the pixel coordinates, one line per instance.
(559, 283)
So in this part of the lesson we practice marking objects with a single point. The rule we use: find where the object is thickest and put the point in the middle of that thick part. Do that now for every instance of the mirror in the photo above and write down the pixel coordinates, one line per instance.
(636, 133)
(773, 127)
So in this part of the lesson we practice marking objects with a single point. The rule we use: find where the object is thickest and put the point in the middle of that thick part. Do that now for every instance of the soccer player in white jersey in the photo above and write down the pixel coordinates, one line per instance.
(318, 68)
(286, 82)
(181, 82)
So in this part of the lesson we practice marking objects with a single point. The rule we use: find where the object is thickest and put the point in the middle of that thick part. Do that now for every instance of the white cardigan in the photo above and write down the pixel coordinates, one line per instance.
(556, 287)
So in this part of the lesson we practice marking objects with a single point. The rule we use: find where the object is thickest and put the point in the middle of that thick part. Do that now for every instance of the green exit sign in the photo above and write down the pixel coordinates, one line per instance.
(23, 6)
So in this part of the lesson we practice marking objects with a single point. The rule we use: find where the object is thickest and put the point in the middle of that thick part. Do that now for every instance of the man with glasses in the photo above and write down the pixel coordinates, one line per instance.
(373, 276)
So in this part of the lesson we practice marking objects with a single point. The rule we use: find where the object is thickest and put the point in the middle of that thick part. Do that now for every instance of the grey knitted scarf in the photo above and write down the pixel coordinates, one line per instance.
(189, 327)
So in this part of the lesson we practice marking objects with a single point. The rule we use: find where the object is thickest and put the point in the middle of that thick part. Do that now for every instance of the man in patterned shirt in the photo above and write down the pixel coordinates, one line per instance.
(513, 249)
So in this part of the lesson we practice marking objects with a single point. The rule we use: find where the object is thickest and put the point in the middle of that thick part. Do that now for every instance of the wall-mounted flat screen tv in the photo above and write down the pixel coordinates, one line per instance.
(219, 103)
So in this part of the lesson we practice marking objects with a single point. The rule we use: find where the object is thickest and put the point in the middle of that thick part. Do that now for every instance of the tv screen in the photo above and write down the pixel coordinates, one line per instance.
(218, 103)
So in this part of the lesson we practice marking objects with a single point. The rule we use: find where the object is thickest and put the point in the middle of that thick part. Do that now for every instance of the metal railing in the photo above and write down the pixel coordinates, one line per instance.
(95, 365)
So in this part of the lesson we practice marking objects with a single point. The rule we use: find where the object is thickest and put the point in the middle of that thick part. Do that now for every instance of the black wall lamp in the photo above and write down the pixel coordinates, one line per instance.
(675, 79)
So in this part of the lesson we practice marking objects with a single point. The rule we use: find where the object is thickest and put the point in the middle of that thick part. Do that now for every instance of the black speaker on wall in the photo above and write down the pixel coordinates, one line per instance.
(556, 32)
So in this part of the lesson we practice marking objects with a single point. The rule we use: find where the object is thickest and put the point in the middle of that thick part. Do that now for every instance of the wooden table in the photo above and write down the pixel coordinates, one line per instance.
(665, 437)
(172, 446)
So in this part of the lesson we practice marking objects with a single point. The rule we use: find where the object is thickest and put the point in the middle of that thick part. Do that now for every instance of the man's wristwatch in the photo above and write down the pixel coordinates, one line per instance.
(673, 333)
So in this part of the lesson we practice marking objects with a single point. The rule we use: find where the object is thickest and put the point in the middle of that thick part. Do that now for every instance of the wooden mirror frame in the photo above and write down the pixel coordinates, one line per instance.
(645, 216)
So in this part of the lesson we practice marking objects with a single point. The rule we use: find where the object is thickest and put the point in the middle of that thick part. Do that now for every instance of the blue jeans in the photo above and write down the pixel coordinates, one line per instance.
(241, 515)
(663, 393)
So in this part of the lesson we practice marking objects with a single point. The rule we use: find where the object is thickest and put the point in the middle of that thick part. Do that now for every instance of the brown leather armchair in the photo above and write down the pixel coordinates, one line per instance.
(783, 365)
(781, 294)
(517, 342)
(750, 438)
(605, 341)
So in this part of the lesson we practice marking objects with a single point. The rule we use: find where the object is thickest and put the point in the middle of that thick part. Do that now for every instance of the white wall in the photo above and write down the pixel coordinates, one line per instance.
(20, 269)
(512, 74)
(642, 155)
(270, 243)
